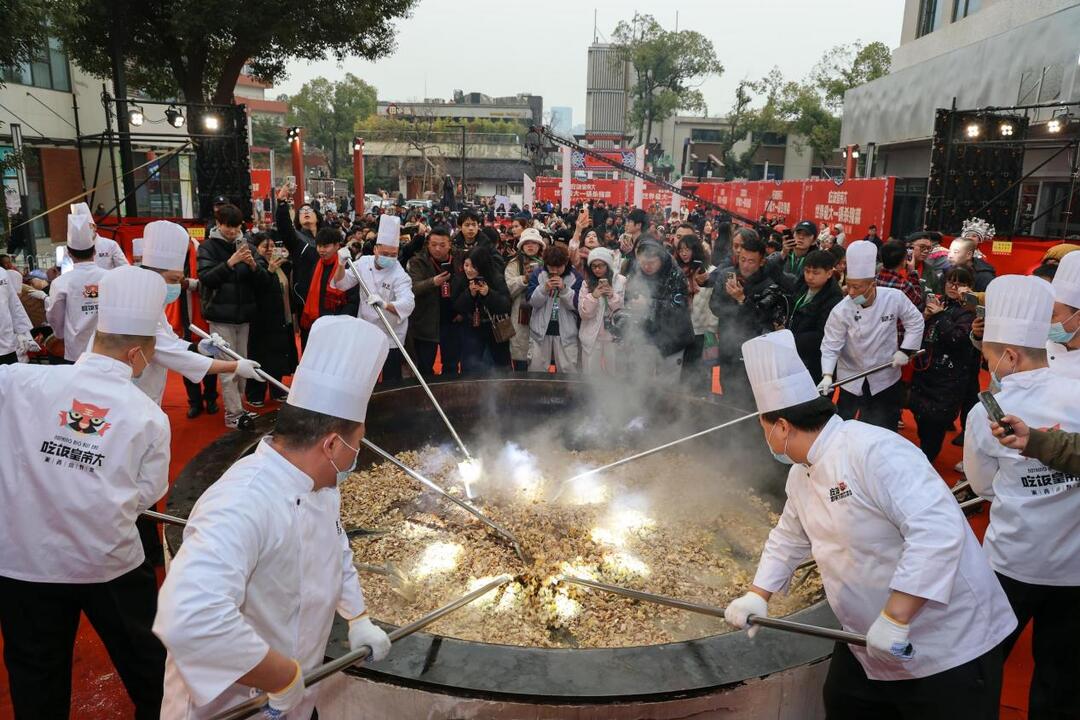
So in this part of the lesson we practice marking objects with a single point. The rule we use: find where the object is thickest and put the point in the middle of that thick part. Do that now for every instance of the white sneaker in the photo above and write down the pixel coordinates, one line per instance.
(959, 467)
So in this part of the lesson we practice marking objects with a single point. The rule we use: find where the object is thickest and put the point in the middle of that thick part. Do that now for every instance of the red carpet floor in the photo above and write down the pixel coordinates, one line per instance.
(97, 693)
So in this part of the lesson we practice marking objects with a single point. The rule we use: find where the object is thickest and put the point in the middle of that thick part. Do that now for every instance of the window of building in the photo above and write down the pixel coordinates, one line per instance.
(932, 15)
(49, 70)
(963, 8)
(776, 172)
(35, 186)
(160, 195)
(770, 138)
(706, 135)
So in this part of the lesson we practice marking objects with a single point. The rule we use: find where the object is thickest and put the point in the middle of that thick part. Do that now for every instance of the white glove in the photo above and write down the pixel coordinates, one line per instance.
(26, 344)
(887, 640)
(364, 632)
(246, 369)
(376, 301)
(825, 386)
(208, 347)
(900, 358)
(343, 255)
(285, 700)
(740, 609)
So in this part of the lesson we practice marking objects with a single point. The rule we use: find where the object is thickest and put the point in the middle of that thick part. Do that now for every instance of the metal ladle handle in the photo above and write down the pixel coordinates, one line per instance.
(255, 705)
(871, 371)
(405, 354)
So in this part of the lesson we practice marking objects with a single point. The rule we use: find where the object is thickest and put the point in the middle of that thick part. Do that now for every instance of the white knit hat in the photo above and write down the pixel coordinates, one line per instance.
(80, 234)
(165, 245)
(602, 253)
(531, 235)
(1018, 309)
(777, 374)
(81, 209)
(342, 361)
(389, 231)
(130, 301)
(861, 260)
(1067, 280)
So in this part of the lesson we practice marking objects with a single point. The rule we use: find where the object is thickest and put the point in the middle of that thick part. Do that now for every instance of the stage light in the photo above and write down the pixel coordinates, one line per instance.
(175, 117)
(211, 122)
(357, 144)
(294, 134)
(855, 154)
(972, 130)
(1054, 126)
(1006, 129)
(135, 116)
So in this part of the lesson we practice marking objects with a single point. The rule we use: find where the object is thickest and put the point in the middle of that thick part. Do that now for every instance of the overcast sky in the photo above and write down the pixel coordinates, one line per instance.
(510, 46)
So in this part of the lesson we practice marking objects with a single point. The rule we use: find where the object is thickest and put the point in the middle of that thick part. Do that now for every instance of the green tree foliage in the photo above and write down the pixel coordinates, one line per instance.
(329, 112)
(809, 109)
(23, 30)
(666, 66)
(266, 132)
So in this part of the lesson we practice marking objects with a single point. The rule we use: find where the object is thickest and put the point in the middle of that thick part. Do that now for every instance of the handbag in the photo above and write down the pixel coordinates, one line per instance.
(501, 327)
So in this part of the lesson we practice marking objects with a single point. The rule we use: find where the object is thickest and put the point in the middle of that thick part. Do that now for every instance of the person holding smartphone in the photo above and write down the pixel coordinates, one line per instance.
(530, 247)
(693, 259)
(1033, 541)
(600, 298)
(435, 327)
(480, 295)
(553, 327)
(949, 365)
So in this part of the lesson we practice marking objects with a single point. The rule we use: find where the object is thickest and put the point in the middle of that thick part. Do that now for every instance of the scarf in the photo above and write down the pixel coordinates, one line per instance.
(316, 300)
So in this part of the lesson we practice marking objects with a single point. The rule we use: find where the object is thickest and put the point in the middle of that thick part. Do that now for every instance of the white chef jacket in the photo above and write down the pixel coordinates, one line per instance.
(859, 338)
(71, 308)
(107, 255)
(392, 284)
(13, 318)
(1062, 360)
(1034, 533)
(264, 564)
(77, 476)
(877, 517)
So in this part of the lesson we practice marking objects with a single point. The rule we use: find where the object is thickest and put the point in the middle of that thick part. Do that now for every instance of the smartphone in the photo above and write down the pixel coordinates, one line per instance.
(730, 276)
(980, 312)
(971, 298)
(604, 281)
(445, 267)
(993, 410)
(696, 264)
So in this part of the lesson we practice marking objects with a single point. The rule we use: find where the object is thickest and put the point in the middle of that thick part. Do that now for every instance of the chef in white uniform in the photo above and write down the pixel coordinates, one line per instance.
(89, 452)
(71, 309)
(898, 561)
(1033, 541)
(861, 333)
(165, 247)
(250, 598)
(390, 286)
(1063, 345)
(107, 253)
(15, 327)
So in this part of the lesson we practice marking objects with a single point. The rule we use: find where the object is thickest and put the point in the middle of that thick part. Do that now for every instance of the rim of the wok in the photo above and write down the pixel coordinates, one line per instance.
(467, 668)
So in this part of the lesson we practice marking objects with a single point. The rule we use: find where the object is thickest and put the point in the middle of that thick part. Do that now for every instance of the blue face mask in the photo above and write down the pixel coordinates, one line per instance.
(342, 475)
(385, 262)
(1059, 335)
(859, 300)
(779, 457)
(172, 293)
(995, 381)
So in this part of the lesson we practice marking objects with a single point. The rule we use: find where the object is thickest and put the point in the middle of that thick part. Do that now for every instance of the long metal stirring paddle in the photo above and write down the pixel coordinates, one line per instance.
(255, 705)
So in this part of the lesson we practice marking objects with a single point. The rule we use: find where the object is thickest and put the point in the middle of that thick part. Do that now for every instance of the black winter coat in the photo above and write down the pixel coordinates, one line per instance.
(739, 323)
(807, 324)
(943, 374)
(272, 340)
(302, 253)
(227, 293)
(666, 323)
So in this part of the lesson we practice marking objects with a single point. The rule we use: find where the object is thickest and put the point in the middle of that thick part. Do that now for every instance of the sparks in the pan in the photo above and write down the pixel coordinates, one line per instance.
(439, 557)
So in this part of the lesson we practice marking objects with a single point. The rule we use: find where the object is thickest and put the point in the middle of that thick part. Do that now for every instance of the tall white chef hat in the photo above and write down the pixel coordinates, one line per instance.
(80, 233)
(1018, 309)
(389, 231)
(341, 363)
(165, 245)
(130, 300)
(80, 209)
(1067, 280)
(777, 374)
(861, 260)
